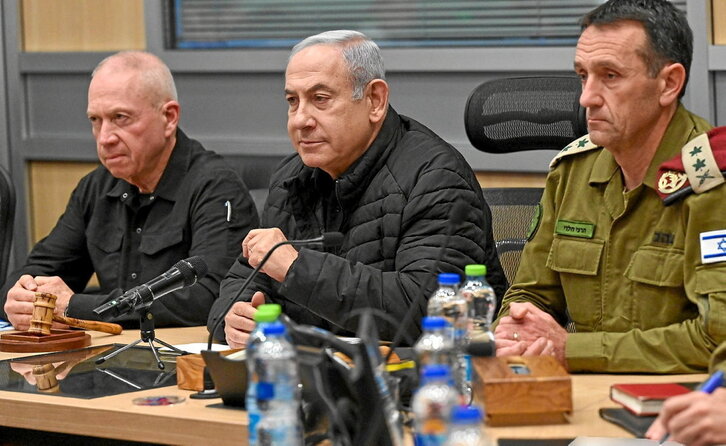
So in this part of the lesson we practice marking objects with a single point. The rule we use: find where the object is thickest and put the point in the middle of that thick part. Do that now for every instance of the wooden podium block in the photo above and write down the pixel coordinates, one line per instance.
(523, 390)
(190, 370)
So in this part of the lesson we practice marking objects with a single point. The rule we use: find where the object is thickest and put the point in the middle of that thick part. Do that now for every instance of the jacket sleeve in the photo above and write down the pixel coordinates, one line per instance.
(215, 237)
(332, 287)
(229, 293)
(62, 253)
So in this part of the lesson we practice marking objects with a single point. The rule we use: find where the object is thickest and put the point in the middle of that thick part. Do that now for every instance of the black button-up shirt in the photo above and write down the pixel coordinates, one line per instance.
(199, 208)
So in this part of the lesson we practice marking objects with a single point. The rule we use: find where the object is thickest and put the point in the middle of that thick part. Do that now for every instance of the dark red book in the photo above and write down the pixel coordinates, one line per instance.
(645, 399)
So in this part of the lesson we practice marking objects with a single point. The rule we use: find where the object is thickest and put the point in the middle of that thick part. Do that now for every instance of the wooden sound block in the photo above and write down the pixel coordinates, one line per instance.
(190, 370)
(57, 340)
(523, 390)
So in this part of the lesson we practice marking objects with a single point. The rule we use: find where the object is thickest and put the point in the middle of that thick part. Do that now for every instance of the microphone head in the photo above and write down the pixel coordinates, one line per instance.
(481, 348)
(192, 269)
(332, 239)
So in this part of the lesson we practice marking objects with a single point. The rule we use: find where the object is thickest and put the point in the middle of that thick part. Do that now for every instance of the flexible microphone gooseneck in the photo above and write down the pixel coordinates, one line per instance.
(326, 240)
(458, 213)
(184, 273)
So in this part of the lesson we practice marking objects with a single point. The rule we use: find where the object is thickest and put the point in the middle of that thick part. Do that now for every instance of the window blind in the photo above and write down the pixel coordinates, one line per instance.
(391, 23)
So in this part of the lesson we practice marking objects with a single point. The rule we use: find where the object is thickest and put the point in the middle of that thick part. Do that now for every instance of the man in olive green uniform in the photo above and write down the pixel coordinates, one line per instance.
(607, 257)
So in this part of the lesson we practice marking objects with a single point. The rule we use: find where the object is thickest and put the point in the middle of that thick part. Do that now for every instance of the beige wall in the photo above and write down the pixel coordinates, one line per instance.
(719, 22)
(83, 25)
(50, 187)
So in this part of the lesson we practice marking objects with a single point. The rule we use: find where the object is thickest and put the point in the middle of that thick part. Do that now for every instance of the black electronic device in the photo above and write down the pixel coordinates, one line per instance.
(355, 394)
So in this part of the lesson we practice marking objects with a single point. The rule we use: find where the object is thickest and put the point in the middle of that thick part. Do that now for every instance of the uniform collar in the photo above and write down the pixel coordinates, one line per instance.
(676, 135)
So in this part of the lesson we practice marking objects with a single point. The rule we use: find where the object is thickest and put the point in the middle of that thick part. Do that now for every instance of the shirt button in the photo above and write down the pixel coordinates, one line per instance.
(133, 275)
(138, 230)
(152, 198)
(125, 195)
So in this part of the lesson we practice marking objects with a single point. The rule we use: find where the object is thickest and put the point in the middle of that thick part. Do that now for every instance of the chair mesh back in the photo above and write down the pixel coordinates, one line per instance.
(7, 219)
(512, 211)
(525, 113)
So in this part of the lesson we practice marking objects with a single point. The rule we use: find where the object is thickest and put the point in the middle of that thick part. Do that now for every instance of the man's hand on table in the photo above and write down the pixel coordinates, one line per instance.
(529, 331)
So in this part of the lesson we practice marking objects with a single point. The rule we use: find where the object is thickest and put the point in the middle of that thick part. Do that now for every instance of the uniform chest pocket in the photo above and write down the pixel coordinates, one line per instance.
(107, 241)
(154, 243)
(656, 266)
(575, 256)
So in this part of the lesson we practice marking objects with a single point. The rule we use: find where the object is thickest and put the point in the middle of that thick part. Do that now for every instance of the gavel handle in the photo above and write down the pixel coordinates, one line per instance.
(105, 327)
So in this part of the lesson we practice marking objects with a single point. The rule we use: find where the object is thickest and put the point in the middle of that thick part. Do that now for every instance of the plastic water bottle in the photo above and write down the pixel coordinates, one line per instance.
(449, 303)
(264, 315)
(432, 405)
(436, 344)
(482, 302)
(465, 427)
(442, 297)
(278, 395)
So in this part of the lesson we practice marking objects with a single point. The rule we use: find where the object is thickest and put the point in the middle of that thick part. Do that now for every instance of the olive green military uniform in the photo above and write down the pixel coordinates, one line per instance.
(625, 268)
(718, 360)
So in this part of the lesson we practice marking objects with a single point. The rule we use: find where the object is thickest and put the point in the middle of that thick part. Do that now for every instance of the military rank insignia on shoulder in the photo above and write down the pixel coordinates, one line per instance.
(579, 145)
(698, 168)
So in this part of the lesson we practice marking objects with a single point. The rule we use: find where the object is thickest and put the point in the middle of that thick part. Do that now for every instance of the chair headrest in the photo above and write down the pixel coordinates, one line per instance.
(525, 113)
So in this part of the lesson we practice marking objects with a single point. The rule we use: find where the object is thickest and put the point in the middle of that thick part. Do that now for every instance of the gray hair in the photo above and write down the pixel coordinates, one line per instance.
(153, 72)
(362, 56)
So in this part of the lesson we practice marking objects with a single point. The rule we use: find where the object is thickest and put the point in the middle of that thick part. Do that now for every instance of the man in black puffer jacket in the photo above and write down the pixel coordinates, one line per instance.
(383, 180)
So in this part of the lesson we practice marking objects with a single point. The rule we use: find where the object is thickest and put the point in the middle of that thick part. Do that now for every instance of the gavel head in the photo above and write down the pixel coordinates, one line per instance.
(42, 318)
(45, 378)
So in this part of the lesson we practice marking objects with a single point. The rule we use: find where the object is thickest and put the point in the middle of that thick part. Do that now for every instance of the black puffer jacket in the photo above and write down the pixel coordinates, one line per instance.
(396, 202)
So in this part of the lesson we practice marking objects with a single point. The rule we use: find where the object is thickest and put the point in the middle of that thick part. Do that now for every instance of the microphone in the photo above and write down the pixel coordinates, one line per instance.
(184, 273)
(481, 348)
(458, 213)
(325, 240)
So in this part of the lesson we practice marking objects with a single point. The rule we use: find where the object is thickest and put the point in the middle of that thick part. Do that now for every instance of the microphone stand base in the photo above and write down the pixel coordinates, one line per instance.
(146, 324)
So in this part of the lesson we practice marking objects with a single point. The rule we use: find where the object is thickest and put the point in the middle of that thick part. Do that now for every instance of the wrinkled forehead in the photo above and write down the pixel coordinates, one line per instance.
(321, 65)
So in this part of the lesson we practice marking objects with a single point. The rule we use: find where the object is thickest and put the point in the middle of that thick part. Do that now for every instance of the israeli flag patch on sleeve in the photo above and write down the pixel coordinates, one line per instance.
(713, 246)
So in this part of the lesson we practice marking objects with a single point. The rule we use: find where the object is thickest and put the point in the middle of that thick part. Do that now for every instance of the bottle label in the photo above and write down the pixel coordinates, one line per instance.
(430, 439)
(468, 374)
(287, 435)
(254, 418)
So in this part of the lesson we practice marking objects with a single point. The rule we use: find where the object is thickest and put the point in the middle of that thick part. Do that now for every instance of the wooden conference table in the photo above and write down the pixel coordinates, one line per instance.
(193, 423)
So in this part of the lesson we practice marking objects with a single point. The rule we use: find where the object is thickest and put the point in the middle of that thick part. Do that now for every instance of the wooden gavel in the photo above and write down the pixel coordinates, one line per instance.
(43, 318)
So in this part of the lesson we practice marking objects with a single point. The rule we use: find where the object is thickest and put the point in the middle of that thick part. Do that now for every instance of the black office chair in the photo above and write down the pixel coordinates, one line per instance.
(7, 219)
(256, 171)
(520, 114)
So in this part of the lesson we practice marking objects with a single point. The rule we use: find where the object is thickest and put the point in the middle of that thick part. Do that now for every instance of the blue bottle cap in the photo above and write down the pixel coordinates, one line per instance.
(265, 391)
(449, 279)
(434, 323)
(274, 329)
(466, 415)
(436, 371)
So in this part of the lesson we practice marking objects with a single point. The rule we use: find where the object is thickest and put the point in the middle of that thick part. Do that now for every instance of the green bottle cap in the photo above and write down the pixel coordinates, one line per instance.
(475, 270)
(267, 313)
